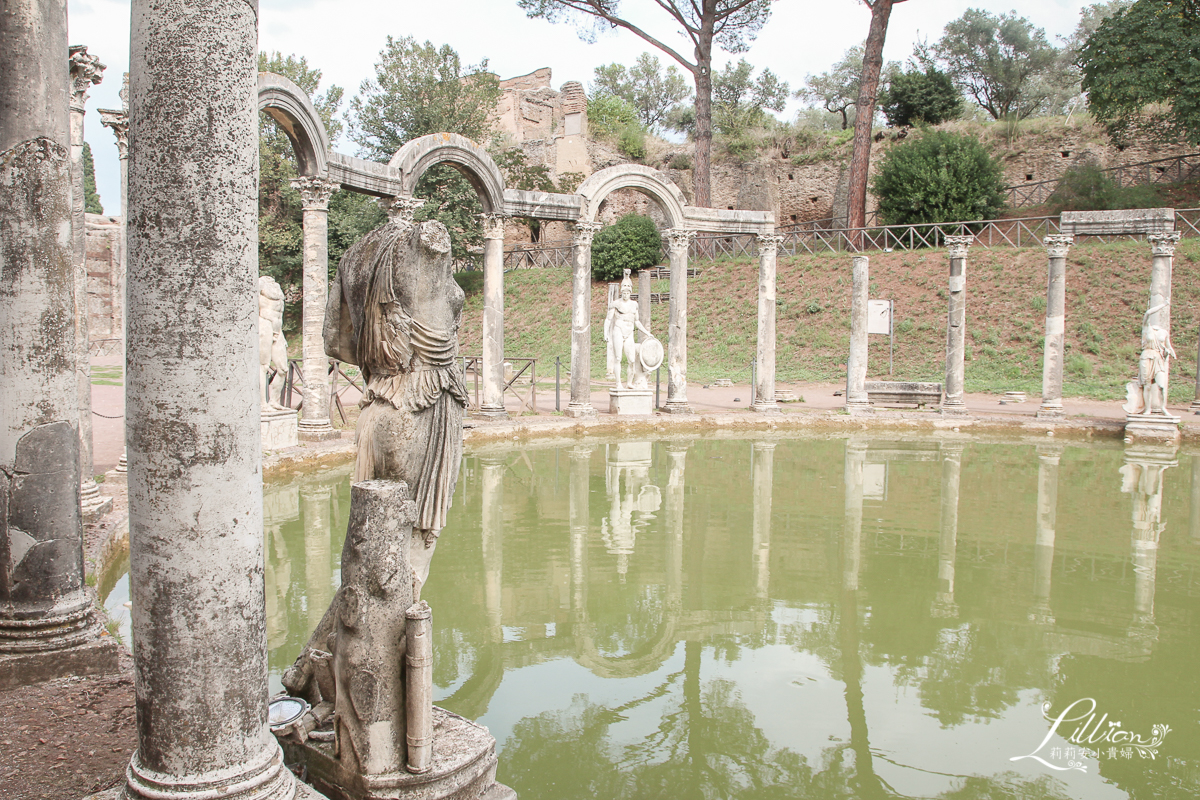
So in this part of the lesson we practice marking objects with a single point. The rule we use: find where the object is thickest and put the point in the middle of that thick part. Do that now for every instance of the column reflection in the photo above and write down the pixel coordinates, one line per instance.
(1043, 547)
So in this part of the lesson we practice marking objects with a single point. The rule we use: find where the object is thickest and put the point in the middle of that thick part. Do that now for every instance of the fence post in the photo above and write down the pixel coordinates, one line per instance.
(557, 372)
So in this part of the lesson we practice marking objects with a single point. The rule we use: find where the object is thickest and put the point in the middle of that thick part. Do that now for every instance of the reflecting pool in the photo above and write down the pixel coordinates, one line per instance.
(823, 618)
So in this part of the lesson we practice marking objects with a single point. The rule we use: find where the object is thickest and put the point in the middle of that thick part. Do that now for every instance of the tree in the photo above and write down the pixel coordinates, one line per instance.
(421, 89)
(729, 24)
(650, 91)
(864, 111)
(740, 102)
(938, 177)
(920, 96)
(632, 243)
(837, 90)
(91, 198)
(1148, 54)
(998, 61)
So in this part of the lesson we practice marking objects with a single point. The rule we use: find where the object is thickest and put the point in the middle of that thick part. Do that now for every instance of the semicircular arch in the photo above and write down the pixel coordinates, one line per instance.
(418, 155)
(648, 181)
(293, 111)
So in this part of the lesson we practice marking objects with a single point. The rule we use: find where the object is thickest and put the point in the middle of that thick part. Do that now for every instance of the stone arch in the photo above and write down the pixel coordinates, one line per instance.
(414, 158)
(289, 106)
(648, 181)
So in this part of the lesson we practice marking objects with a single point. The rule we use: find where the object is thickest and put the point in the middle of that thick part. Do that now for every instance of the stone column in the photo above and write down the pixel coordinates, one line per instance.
(678, 242)
(46, 614)
(1056, 310)
(944, 605)
(314, 423)
(764, 391)
(856, 361)
(762, 481)
(1043, 546)
(1153, 424)
(644, 292)
(86, 71)
(581, 321)
(195, 458)
(118, 121)
(492, 403)
(577, 499)
(492, 530)
(956, 328)
(855, 459)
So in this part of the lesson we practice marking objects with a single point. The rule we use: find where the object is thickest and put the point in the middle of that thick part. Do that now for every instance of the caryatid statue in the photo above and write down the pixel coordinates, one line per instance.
(272, 346)
(1148, 394)
(619, 325)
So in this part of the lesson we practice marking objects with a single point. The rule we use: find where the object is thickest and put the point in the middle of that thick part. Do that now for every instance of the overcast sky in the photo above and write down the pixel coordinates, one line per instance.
(343, 38)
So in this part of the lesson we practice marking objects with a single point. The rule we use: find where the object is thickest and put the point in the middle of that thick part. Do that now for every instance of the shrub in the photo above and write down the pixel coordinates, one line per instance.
(938, 177)
(632, 142)
(1086, 187)
(632, 243)
(608, 115)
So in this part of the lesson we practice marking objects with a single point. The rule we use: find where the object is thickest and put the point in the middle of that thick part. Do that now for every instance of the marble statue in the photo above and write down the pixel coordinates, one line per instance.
(1148, 394)
(272, 346)
(619, 326)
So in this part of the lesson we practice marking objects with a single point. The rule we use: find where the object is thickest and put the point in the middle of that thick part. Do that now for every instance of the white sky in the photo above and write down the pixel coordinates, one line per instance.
(343, 38)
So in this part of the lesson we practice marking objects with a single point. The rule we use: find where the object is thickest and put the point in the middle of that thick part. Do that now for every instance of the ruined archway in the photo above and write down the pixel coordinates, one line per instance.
(417, 156)
(648, 181)
(293, 112)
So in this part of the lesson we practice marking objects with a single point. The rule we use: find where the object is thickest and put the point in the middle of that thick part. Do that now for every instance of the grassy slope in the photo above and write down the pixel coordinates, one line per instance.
(1107, 291)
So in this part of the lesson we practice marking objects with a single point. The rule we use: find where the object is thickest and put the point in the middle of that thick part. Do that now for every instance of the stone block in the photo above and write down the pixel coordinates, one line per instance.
(1116, 223)
(631, 402)
(280, 429)
(1152, 428)
(94, 657)
(917, 392)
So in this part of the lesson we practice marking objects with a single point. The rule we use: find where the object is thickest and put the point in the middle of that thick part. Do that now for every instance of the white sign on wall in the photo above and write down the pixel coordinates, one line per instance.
(879, 316)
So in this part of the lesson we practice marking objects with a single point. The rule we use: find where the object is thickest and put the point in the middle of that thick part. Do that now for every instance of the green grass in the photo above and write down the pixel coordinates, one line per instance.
(108, 376)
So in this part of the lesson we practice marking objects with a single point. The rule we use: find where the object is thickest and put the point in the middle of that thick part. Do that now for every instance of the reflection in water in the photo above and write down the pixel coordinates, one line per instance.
(734, 619)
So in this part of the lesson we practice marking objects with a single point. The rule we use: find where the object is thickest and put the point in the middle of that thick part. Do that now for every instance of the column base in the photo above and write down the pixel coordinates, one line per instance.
(1050, 412)
(677, 407)
(492, 412)
(958, 409)
(92, 504)
(580, 410)
(266, 778)
(119, 473)
(96, 655)
(766, 408)
(1159, 428)
(316, 430)
(858, 407)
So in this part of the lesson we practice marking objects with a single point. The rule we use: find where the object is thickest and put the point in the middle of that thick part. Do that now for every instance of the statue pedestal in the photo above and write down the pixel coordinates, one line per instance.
(1162, 428)
(464, 767)
(631, 402)
(280, 429)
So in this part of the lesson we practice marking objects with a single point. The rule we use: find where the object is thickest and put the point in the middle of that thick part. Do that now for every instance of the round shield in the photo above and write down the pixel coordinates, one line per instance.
(651, 354)
(285, 710)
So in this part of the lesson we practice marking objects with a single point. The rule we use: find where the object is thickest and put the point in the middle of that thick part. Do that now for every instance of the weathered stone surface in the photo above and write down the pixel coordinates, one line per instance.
(620, 324)
(919, 392)
(678, 241)
(956, 328)
(279, 428)
(314, 414)
(630, 402)
(764, 389)
(581, 322)
(856, 360)
(1113, 223)
(492, 404)
(1055, 346)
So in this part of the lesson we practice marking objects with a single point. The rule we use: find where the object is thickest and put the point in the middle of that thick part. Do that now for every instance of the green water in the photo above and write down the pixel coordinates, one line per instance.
(800, 618)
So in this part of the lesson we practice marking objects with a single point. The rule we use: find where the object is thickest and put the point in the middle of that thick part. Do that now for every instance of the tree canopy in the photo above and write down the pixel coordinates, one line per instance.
(837, 90)
(648, 89)
(938, 177)
(920, 96)
(1141, 70)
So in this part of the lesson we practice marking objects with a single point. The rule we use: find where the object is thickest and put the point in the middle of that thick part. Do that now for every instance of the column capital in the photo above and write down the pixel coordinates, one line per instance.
(1057, 244)
(400, 209)
(315, 192)
(119, 122)
(957, 245)
(1163, 244)
(769, 243)
(584, 232)
(678, 240)
(86, 70)
(493, 225)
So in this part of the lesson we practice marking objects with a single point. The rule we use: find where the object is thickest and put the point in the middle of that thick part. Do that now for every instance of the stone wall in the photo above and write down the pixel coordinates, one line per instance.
(103, 243)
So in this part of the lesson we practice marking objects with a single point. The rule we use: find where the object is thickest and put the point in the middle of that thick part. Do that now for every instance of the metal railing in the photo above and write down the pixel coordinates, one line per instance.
(537, 256)
(1176, 169)
(515, 386)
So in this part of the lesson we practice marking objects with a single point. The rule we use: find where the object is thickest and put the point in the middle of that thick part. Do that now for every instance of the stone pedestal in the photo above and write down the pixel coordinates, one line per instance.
(280, 429)
(1161, 428)
(631, 402)
(464, 767)
(308, 431)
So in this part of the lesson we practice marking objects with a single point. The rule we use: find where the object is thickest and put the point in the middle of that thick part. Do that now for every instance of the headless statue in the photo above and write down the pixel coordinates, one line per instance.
(272, 346)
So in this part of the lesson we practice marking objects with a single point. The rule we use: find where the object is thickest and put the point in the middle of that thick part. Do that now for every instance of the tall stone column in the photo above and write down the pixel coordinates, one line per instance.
(314, 423)
(46, 614)
(956, 327)
(86, 71)
(1056, 318)
(1043, 546)
(581, 321)
(944, 605)
(762, 481)
(492, 529)
(856, 361)
(678, 242)
(578, 514)
(492, 404)
(764, 391)
(644, 292)
(118, 121)
(855, 460)
(195, 458)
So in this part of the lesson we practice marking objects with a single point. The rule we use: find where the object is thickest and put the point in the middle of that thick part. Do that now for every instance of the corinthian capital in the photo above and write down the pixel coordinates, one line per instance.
(678, 240)
(315, 192)
(957, 245)
(769, 243)
(86, 71)
(1163, 244)
(400, 209)
(493, 225)
(1057, 245)
(584, 232)
(119, 122)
